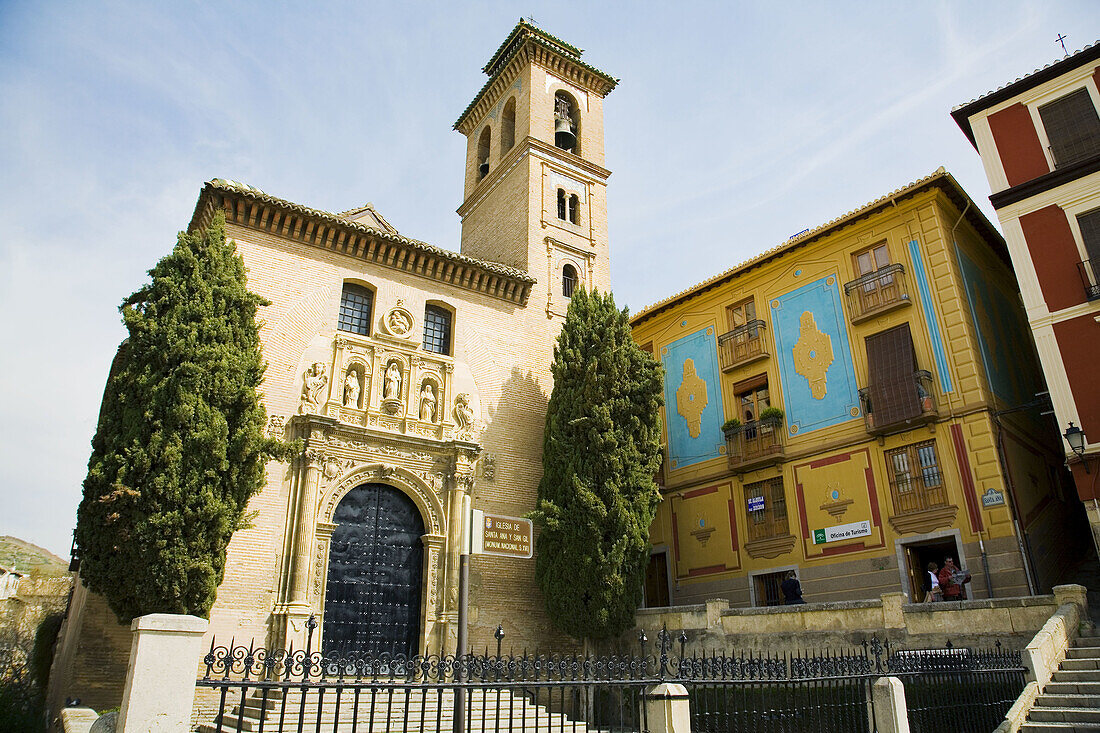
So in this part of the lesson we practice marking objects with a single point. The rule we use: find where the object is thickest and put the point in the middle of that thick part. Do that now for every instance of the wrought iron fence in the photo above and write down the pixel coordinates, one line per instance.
(948, 689)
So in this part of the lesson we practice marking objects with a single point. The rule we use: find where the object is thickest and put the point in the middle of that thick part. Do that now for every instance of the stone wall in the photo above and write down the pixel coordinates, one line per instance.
(843, 624)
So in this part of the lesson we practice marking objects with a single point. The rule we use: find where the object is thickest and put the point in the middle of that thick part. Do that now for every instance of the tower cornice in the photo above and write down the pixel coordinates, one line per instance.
(529, 45)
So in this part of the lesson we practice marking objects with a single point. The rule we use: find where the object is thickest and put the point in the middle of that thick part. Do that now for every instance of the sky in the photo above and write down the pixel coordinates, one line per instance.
(734, 126)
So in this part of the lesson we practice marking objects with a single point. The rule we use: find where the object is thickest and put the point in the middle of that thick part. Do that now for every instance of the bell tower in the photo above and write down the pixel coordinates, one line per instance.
(535, 194)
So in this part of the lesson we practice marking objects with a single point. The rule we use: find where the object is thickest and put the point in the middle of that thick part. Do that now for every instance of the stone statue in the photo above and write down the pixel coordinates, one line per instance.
(464, 414)
(313, 381)
(391, 390)
(351, 389)
(427, 403)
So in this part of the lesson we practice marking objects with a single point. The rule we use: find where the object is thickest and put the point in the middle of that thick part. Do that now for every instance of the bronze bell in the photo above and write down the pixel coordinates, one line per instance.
(483, 169)
(563, 134)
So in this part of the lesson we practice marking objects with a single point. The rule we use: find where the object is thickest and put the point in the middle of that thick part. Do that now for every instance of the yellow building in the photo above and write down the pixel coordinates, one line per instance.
(837, 406)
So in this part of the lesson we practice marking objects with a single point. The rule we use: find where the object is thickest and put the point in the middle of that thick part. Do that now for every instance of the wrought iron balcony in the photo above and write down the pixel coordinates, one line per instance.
(1090, 277)
(754, 444)
(742, 345)
(876, 292)
(894, 406)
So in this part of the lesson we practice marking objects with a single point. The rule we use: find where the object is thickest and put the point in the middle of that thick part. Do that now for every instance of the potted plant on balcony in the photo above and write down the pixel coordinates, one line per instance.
(729, 427)
(770, 418)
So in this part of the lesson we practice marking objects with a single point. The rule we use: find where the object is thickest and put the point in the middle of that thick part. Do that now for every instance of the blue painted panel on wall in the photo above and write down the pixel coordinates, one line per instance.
(691, 369)
(815, 360)
(930, 320)
(1001, 337)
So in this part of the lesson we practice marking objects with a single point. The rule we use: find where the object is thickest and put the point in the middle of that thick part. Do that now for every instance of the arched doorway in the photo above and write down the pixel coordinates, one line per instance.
(372, 598)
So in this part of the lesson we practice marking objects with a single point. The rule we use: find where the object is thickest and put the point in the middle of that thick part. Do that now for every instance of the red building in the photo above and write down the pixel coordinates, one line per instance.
(1039, 138)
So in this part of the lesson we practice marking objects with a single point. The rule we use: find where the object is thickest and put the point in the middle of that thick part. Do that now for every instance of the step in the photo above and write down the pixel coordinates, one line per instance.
(1072, 688)
(1083, 652)
(1087, 641)
(1065, 715)
(1067, 701)
(1060, 727)
(1071, 664)
(1076, 675)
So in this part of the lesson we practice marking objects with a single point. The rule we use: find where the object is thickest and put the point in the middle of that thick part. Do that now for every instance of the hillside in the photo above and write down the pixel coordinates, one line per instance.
(28, 558)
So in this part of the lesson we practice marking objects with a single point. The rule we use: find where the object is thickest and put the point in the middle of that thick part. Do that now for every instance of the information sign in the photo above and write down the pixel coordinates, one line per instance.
(992, 497)
(756, 503)
(495, 534)
(842, 532)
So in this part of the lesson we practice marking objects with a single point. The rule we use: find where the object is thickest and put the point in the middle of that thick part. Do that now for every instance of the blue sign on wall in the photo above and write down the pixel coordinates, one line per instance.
(756, 503)
(693, 399)
(815, 360)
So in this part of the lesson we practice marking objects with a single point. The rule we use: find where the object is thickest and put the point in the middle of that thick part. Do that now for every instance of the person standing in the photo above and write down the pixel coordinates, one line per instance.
(951, 580)
(931, 584)
(792, 590)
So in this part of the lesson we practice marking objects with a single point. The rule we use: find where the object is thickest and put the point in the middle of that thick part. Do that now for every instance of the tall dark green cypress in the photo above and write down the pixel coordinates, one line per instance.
(597, 496)
(180, 445)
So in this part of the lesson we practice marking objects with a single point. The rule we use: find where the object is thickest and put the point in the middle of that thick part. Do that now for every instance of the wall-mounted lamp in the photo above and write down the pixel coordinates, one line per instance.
(1076, 439)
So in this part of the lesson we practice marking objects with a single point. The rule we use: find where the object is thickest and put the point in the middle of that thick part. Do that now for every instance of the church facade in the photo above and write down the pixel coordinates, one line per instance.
(416, 379)
(852, 405)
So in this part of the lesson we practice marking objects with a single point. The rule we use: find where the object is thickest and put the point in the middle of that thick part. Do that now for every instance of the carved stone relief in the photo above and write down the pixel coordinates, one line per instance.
(488, 466)
(313, 382)
(276, 426)
(427, 401)
(464, 416)
(398, 321)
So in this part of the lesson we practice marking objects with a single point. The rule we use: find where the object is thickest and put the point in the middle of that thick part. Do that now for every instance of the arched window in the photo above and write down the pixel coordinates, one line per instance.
(437, 330)
(483, 144)
(568, 280)
(561, 204)
(567, 123)
(508, 126)
(574, 206)
(355, 305)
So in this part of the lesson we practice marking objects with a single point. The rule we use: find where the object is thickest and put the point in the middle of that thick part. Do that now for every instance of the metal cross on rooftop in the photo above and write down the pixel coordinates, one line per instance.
(1062, 40)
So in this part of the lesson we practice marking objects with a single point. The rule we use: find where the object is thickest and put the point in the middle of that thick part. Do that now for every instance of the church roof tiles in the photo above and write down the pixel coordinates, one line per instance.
(348, 233)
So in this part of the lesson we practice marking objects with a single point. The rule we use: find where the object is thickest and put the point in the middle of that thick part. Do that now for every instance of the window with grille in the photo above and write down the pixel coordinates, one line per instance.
(355, 306)
(437, 330)
(1089, 222)
(1072, 127)
(568, 280)
(769, 517)
(769, 590)
(916, 483)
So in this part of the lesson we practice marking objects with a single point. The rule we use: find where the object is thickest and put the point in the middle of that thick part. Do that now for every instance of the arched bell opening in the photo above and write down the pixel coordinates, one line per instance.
(567, 122)
(375, 574)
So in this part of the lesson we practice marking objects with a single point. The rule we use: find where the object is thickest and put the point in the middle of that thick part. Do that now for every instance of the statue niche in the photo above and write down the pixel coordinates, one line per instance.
(428, 401)
(313, 381)
(391, 387)
(354, 382)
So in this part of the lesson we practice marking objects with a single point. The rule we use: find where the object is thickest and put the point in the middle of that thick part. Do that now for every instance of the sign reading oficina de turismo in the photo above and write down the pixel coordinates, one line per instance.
(842, 532)
(495, 534)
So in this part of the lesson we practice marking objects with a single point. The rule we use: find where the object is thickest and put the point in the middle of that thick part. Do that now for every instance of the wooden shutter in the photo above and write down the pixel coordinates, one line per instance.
(892, 363)
(1089, 222)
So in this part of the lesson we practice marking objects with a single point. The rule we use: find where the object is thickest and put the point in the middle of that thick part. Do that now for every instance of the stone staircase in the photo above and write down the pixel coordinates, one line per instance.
(387, 710)
(1071, 700)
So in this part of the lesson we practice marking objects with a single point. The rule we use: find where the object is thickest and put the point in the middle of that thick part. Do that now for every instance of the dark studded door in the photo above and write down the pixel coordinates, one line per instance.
(372, 600)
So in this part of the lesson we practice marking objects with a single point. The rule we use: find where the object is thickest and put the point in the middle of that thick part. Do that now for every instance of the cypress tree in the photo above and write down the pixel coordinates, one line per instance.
(180, 445)
(601, 448)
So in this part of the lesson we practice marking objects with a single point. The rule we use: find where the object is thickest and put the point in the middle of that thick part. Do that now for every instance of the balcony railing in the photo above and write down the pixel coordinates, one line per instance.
(896, 405)
(1090, 277)
(755, 443)
(742, 345)
(877, 292)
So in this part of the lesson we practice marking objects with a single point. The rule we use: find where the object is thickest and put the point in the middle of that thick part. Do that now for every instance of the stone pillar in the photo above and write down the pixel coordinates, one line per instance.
(160, 681)
(888, 698)
(303, 540)
(714, 607)
(1077, 595)
(667, 709)
(893, 617)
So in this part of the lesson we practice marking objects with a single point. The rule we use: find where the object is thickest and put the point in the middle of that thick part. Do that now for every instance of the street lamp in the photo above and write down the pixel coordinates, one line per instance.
(1076, 439)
